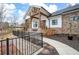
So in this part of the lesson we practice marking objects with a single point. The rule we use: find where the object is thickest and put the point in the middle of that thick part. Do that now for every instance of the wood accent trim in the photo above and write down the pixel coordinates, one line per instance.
(40, 13)
(31, 22)
(43, 14)
(40, 19)
(35, 17)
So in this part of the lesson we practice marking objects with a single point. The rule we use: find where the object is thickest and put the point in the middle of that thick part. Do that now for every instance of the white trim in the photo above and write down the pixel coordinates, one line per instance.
(35, 20)
(59, 20)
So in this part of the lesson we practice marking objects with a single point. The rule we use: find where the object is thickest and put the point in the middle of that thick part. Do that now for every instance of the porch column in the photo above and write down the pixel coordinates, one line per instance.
(40, 21)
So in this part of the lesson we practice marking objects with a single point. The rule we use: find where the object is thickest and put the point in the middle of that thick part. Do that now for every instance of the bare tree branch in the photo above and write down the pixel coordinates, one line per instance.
(2, 13)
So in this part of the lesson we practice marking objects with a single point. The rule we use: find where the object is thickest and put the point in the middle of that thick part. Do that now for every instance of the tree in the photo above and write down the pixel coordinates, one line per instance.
(2, 12)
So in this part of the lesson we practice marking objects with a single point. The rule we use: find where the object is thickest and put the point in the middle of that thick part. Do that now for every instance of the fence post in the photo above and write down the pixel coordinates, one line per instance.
(29, 43)
(42, 38)
(7, 44)
(1, 49)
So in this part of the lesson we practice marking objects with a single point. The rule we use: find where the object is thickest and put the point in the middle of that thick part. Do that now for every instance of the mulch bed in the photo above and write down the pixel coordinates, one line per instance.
(48, 50)
(74, 43)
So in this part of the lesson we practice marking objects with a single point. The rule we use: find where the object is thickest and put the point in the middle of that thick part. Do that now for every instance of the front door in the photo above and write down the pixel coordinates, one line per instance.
(43, 24)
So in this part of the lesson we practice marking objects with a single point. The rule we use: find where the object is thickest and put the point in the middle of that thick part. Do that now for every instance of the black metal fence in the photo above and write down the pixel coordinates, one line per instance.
(23, 44)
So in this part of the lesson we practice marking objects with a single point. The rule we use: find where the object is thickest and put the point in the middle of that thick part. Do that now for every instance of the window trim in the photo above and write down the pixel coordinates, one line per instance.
(33, 25)
(74, 18)
(54, 23)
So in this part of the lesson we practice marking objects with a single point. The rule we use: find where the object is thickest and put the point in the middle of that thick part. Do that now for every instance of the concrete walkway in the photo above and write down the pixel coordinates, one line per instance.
(62, 48)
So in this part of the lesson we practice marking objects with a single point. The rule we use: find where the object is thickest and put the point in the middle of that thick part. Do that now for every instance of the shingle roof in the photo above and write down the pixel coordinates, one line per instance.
(66, 10)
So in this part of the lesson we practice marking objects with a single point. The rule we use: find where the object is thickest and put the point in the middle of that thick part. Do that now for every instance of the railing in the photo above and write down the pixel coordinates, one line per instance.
(23, 44)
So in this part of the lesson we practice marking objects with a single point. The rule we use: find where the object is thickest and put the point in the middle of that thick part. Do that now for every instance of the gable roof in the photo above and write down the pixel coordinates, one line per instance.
(41, 8)
(71, 8)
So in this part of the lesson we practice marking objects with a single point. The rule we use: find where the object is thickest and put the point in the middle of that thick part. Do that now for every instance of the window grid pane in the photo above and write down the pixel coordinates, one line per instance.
(34, 24)
(54, 22)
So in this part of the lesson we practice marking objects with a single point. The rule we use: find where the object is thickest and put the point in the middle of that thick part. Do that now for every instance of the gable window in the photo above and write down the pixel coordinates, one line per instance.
(54, 22)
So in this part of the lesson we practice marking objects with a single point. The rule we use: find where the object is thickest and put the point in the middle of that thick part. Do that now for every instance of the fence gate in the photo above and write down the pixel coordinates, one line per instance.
(23, 44)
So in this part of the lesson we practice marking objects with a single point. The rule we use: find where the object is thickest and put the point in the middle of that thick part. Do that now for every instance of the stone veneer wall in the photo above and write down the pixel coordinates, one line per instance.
(66, 24)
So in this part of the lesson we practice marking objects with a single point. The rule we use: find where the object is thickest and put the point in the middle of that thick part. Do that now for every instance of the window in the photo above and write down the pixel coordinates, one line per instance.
(35, 24)
(74, 18)
(54, 22)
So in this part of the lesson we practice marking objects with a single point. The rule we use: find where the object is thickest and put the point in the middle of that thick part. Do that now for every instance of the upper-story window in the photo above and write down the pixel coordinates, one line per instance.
(54, 22)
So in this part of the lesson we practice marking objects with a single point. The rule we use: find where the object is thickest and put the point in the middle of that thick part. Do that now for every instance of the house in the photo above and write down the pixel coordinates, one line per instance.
(65, 21)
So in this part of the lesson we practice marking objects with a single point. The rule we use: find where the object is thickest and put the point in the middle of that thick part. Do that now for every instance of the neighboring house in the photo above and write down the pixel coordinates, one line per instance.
(65, 21)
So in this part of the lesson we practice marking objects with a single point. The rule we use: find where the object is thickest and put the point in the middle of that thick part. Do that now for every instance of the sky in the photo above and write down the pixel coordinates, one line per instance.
(19, 9)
